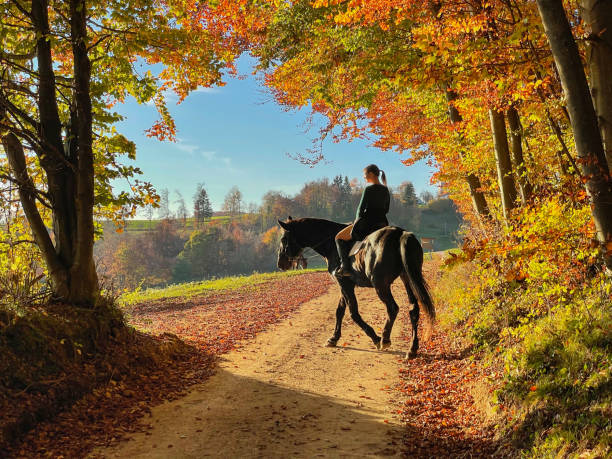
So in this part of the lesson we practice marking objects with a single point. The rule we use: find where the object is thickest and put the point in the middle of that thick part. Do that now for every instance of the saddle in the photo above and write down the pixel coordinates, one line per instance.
(362, 228)
(357, 246)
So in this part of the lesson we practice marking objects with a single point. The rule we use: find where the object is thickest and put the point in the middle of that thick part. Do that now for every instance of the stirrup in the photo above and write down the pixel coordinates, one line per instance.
(340, 271)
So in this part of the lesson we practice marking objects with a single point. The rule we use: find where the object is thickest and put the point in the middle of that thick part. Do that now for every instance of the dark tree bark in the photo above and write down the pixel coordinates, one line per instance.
(516, 147)
(84, 281)
(58, 168)
(69, 170)
(505, 179)
(478, 198)
(589, 145)
(598, 15)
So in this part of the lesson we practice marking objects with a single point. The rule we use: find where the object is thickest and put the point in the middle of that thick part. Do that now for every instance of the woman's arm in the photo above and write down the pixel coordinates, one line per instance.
(363, 204)
(388, 202)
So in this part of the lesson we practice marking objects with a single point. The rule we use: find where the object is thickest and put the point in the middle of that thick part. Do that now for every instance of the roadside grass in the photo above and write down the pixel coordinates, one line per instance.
(550, 357)
(191, 289)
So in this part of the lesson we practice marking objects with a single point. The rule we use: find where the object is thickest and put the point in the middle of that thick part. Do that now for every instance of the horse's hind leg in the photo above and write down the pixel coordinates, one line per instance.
(331, 342)
(414, 316)
(384, 293)
(349, 294)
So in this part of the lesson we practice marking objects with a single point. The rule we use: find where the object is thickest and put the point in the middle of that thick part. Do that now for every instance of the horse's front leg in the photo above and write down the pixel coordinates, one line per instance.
(331, 342)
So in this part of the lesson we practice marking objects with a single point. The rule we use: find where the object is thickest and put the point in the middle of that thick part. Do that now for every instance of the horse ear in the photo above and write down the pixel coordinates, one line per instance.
(289, 218)
(283, 225)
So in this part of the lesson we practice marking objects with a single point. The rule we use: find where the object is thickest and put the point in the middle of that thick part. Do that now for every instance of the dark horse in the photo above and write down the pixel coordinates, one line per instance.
(386, 254)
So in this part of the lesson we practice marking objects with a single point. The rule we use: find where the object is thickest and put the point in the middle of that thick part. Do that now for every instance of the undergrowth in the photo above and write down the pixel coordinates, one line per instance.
(552, 346)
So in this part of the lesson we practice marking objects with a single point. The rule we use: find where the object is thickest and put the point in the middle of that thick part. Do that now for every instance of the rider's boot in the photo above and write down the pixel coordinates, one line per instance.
(344, 270)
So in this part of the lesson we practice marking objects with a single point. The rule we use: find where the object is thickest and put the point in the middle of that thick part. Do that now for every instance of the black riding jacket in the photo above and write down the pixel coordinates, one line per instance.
(374, 203)
(372, 210)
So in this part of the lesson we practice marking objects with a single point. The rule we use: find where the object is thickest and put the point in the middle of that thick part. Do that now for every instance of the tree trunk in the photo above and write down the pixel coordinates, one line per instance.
(589, 145)
(598, 15)
(516, 147)
(478, 198)
(58, 168)
(507, 187)
(84, 281)
(69, 171)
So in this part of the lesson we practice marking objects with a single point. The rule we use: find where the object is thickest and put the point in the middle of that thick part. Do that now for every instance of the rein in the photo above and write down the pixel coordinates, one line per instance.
(312, 247)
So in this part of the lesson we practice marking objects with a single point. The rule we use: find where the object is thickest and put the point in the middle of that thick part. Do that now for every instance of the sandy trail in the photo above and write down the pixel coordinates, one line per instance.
(285, 395)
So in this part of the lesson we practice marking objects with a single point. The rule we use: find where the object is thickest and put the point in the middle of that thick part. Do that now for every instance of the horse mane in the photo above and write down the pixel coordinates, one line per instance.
(308, 227)
(315, 231)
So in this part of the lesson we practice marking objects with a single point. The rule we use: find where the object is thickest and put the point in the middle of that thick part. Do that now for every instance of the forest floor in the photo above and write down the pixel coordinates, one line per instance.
(262, 384)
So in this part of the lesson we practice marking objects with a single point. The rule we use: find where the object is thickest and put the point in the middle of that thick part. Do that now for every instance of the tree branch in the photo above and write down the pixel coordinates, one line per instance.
(16, 157)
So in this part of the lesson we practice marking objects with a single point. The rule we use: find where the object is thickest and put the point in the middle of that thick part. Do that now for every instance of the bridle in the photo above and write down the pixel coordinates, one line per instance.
(312, 247)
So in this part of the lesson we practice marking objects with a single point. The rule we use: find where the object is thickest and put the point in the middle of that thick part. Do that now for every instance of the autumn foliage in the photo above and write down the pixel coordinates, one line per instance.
(508, 101)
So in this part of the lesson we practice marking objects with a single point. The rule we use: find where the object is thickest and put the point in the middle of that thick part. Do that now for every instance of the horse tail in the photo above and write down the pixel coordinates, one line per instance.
(412, 258)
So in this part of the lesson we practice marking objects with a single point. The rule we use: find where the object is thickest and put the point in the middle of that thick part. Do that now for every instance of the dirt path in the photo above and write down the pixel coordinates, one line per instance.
(285, 395)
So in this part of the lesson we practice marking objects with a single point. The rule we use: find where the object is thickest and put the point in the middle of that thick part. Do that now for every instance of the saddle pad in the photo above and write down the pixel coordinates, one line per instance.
(357, 246)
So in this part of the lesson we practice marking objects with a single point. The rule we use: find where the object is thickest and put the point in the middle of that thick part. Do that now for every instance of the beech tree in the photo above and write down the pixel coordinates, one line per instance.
(63, 65)
(516, 147)
(181, 208)
(598, 18)
(233, 201)
(502, 159)
(582, 114)
(478, 199)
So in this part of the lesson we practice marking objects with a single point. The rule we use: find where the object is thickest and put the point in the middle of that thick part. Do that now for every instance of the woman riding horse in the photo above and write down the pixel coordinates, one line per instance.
(387, 253)
(371, 215)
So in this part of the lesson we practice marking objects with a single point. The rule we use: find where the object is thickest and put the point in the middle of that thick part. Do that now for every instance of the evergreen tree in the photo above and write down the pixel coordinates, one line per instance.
(408, 196)
(342, 207)
(202, 209)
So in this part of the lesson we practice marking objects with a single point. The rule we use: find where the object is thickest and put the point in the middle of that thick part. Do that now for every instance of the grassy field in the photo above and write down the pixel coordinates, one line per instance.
(148, 225)
(192, 289)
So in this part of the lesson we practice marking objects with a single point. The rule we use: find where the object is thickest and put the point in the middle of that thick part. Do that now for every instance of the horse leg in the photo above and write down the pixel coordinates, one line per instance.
(384, 293)
(414, 317)
(331, 342)
(353, 308)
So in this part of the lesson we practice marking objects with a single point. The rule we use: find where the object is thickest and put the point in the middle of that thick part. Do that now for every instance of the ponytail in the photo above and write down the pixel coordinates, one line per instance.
(373, 168)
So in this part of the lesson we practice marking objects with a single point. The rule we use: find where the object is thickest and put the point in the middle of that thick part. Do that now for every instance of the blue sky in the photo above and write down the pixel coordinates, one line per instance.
(237, 135)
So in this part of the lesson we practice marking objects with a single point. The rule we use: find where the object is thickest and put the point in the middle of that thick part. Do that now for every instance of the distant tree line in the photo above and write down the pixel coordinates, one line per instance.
(185, 246)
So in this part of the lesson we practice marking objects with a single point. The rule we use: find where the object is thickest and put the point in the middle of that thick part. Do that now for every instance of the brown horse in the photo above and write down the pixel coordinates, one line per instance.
(386, 254)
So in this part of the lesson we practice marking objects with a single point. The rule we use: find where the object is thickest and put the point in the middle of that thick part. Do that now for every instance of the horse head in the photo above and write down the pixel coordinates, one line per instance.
(290, 249)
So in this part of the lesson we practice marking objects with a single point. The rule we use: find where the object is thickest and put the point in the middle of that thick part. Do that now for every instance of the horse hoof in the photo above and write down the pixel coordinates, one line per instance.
(411, 355)
(378, 343)
(331, 343)
(384, 345)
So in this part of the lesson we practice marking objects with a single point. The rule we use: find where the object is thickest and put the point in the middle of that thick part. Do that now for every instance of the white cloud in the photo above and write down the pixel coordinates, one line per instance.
(187, 148)
(224, 162)
(207, 90)
(209, 155)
